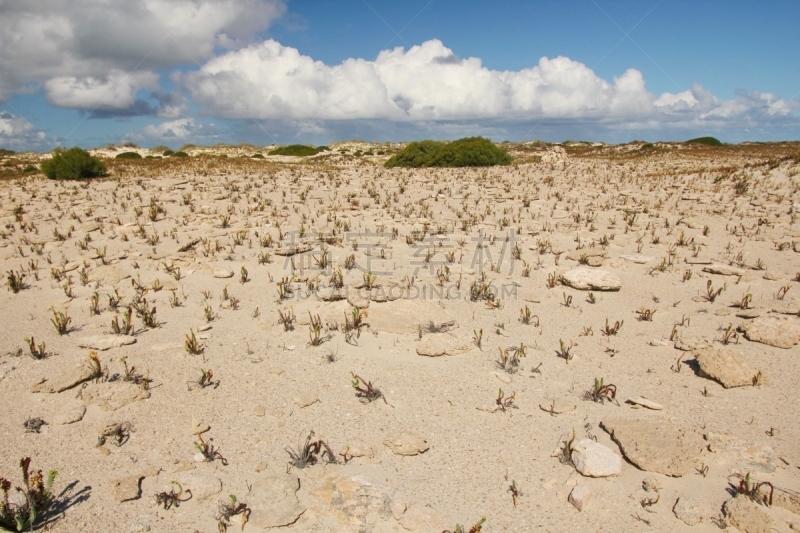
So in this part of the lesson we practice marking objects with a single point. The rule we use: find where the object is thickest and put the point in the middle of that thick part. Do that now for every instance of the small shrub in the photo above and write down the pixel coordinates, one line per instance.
(72, 164)
(37, 497)
(177, 154)
(466, 152)
(298, 150)
(128, 155)
(708, 141)
(257, 156)
(167, 152)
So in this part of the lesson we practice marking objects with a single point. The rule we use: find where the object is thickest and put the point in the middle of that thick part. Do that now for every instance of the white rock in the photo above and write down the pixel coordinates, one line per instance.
(222, 273)
(595, 460)
(580, 496)
(644, 402)
(106, 342)
(586, 278)
(71, 413)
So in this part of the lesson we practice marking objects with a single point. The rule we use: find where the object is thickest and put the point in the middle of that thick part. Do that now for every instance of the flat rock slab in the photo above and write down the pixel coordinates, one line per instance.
(108, 275)
(723, 270)
(352, 497)
(69, 414)
(126, 488)
(222, 273)
(576, 255)
(273, 502)
(655, 445)
(744, 514)
(778, 331)
(406, 443)
(106, 342)
(724, 366)
(443, 344)
(406, 316)
(593, 459)
(287, 251)
(586, 279)
(112, 396)
(203, 487)
(67, 379)
(558, 406)
(644, 402)
(638, 259)
(689, 511)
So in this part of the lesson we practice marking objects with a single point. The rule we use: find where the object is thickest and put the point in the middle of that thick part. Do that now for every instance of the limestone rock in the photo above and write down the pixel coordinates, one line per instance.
(724, 366)
(293, 249)
(585, 279)
(576, 255)
(222, 273)
(443, 344)
(744, 515)
(65, 380)
(203, 487)
(126, 488)
(108, 275)
(356, 449)
(655, 445)
(106, 342)
(687, 510)
(593, 459)
(112, 396)
(69, 414)
(644, 402)
(273, 502)
(580, 496)
(305, 401)
(723, 270)
(406, 443)
(778, 331)
(422, 518)
(788, 500)
(637, 258)
(406, 316)
(353, 498)
(559, 406)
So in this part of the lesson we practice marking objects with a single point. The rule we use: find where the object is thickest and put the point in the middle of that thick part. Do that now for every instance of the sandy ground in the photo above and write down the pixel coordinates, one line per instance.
(439, 450)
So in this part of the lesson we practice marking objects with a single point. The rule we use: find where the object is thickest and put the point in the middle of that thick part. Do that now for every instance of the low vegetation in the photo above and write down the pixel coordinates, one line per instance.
(466, 152)
(73, 164)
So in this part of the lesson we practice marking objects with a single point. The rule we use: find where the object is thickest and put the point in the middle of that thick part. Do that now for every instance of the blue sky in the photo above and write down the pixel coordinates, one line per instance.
(83, 72)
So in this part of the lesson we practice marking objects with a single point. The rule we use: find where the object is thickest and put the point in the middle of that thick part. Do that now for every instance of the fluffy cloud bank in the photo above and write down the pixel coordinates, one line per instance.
(18, 133)
(430, 83)
(82, 50)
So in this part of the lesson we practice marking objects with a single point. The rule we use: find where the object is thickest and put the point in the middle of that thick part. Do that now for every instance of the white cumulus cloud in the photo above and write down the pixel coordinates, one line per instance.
(429, 82)
(18, 133)
(77, 47)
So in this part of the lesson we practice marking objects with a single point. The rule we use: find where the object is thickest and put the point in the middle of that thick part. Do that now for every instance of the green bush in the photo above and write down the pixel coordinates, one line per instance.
(177, 154)
(708, 141)
(298, 150)
(168, 153)
(72, 164)
(3, 151)
(257, 156)
(128, 155)
(29, 168)
(369, 152)
(467, 152)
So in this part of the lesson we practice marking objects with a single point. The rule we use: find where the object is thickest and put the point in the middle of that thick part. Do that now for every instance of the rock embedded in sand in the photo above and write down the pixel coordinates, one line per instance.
(406, 443)
(69, 414)
(593, 459)
(65, 380)
(106, 342)
(778, 331)
(655, 445)
(688, 511)
(443, 344)
(222, 273)
(353, 497)
(126, 488)
(724, 366)
(273, 502)
(743, 514)
(723, 270)
(580, 496)
(644, 402)
(586, 279)
(111, 396)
